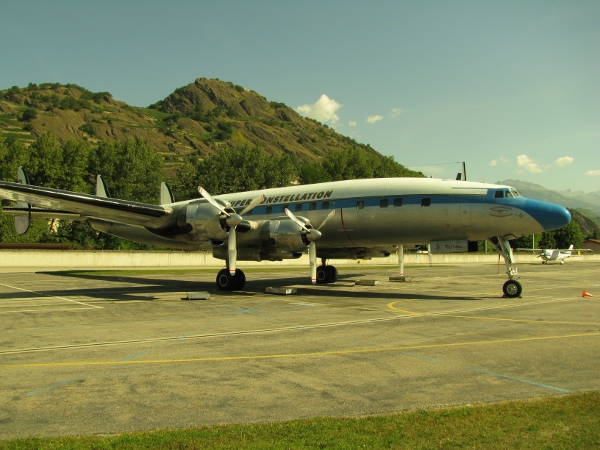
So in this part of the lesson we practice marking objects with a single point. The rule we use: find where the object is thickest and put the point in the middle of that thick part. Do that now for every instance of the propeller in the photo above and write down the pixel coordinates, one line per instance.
(231, 220)
(311, 235)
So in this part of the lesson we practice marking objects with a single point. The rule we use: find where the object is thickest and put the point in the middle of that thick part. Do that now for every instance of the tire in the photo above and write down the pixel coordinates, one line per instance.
(322, 275)
(326, 274)
(512, 289)
(226, 282)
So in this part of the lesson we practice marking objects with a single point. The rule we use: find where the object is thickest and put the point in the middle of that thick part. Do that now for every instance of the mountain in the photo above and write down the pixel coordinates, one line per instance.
(197, 119)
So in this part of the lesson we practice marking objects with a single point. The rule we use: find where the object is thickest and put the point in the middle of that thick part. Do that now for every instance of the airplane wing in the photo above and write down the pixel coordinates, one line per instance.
(67, 204)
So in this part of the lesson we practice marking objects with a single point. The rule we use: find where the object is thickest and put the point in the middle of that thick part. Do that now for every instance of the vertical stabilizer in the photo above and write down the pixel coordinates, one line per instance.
(166, 195)
(101, 188)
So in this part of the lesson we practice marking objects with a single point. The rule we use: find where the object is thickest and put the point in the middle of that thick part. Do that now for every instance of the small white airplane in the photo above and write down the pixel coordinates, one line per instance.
(555, 254)
(352, 219)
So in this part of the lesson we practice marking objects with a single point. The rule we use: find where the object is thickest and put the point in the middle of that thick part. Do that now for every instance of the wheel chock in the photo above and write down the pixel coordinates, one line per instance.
(281, 290)
(586, 294)
(401, 278)
(366, 283)
(197, 296)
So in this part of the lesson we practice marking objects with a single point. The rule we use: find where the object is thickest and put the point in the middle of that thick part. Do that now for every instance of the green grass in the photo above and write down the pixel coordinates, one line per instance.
(564, 422)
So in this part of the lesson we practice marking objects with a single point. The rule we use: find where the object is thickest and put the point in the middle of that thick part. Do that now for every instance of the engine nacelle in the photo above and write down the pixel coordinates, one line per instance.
(272, 240)
(204, 221)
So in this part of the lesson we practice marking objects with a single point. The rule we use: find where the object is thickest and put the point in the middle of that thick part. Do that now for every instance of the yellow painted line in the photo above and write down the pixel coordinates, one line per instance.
(393, 308)
(504, 319)
(295, 355)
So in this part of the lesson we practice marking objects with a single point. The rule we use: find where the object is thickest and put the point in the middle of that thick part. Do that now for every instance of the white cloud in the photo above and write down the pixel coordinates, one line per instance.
(562, 161)
(497, 161)
(592, 173)
(528, 164)
(352, 123)
(375, 118)
(324, 110)
(396, 112)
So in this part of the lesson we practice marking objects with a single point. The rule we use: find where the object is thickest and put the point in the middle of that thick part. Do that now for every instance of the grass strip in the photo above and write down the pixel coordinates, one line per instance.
(563, 422)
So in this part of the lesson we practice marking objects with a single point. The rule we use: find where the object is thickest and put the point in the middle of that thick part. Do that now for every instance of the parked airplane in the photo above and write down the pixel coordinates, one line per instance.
(355, 219)
(554, 254)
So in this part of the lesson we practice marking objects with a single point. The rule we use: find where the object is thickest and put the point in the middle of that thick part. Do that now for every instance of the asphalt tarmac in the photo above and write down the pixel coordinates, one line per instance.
(104, 353)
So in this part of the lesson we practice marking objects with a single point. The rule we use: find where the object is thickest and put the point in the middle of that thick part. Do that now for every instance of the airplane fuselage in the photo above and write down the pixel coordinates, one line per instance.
(372, 214)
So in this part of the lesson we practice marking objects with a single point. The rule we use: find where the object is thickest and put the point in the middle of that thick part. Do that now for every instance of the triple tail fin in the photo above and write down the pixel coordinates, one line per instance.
(166, 195)
(101, 188)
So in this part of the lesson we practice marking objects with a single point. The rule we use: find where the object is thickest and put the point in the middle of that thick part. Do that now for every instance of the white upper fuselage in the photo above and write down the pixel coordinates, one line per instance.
(389, 211)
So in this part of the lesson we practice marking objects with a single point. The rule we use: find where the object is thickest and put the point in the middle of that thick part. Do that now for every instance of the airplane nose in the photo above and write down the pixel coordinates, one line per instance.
(549, 215)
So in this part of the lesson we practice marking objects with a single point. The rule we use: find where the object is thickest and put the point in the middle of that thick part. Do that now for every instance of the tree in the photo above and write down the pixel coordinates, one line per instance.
(235, 169)
(569, 235)
(132, 170)
(28, 115)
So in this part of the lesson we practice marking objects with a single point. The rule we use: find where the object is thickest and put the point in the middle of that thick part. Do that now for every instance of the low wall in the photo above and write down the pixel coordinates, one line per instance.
(69, 259)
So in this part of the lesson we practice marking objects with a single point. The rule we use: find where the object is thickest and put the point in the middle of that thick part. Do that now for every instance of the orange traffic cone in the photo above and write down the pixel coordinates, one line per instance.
(586, 294)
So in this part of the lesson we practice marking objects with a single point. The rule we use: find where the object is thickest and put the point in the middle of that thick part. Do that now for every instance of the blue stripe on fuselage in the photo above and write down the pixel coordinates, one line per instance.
(548, 215)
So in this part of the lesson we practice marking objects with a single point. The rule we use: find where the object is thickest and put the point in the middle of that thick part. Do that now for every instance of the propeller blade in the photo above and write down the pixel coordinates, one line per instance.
(297, 221)
(312, 256)
(232, 251)
(329, 216)
(254, 203)
(212, 201)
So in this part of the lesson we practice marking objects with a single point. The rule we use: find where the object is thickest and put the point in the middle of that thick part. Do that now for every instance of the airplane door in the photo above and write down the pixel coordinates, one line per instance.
(465, 213)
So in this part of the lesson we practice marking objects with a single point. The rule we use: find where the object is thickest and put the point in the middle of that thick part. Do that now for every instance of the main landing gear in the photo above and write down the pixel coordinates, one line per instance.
(228, 282)
(512, 288)
(326, 274)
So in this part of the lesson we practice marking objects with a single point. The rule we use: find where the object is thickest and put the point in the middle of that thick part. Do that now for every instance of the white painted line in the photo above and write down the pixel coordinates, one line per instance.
(49, 296)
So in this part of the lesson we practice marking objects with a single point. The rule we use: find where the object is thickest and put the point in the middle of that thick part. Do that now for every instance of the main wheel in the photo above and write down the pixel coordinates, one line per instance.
(512, 289)
(326, 274)
(227, 282)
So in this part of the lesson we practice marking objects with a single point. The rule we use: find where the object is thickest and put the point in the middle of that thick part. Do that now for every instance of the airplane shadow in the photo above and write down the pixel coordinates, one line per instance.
(149, 288)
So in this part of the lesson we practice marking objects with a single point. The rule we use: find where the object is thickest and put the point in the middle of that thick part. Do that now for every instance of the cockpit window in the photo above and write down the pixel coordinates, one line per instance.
(507, 193)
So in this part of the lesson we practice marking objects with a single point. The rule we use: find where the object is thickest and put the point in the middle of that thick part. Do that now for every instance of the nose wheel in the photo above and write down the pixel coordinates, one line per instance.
(512, 289)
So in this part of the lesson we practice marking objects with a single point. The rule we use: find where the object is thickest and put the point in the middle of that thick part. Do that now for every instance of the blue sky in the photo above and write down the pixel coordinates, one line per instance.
(510, 87)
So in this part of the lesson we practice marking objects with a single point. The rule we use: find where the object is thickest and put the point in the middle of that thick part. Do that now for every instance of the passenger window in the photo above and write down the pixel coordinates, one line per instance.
(398, 201)
(325, 205)
(312, 206)
(299, 207)
(269, 210)
(360, 204)
(384, 203)
(425, 201)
